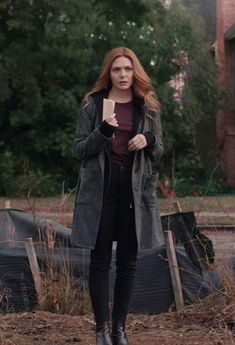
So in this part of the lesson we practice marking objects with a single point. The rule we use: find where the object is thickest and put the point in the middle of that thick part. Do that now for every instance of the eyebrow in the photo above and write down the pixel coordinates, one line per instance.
(119, 67)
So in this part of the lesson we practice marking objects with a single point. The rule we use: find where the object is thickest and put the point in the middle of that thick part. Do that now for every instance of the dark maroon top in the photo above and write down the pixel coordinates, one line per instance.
(123, 133)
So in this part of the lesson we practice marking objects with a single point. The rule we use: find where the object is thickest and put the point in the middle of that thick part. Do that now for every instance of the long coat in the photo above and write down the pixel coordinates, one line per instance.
(91, 147)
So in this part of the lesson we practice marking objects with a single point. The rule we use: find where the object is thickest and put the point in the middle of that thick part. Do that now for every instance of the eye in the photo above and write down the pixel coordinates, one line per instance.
(115, 69)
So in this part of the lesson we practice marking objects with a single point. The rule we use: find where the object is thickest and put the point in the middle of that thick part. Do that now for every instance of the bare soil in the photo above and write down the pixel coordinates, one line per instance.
(194, 326)
(208, 324)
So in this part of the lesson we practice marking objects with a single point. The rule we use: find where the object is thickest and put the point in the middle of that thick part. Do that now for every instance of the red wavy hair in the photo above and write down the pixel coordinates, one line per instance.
(142, 85)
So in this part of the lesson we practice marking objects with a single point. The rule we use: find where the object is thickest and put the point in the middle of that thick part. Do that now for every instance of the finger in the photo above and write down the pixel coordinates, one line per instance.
(135, 146)
(132, 147)
(112, 120)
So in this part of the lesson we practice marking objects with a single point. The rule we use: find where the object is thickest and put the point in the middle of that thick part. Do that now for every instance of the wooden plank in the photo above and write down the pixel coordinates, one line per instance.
(174, 271)
(34, 266)
(177, 206)
(50, 236)
(8, 204)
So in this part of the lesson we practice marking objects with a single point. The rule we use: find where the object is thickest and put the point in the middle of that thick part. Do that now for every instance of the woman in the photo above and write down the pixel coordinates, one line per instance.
(116, 196)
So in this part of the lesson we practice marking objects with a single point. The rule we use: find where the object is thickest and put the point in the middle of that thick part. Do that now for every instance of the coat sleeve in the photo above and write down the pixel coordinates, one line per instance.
(89, 140)
(155, 149)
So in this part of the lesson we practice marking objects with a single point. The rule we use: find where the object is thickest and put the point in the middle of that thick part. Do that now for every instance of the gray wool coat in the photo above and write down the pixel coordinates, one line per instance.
(91, 148)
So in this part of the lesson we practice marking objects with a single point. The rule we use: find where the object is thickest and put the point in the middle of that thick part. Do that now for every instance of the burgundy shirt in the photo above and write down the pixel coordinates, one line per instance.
(123, 133)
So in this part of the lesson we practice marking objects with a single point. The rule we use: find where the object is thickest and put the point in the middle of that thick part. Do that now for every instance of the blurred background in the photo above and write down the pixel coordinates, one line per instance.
(50, 55)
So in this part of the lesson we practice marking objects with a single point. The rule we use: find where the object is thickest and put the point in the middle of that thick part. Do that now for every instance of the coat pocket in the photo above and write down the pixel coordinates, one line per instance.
(149, 190)
(87, 186)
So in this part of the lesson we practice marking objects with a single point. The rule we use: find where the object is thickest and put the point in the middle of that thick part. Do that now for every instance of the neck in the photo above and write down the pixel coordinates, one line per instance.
(121, 96)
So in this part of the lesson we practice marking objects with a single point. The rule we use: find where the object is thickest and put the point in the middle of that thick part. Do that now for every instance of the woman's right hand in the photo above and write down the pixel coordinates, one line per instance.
(111, 120)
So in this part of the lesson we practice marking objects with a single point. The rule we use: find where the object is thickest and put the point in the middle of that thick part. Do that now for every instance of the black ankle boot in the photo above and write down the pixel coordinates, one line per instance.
(103, 334)
(119, 336)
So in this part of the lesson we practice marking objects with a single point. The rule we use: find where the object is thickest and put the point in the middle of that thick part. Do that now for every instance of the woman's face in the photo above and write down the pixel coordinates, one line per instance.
(121, 73)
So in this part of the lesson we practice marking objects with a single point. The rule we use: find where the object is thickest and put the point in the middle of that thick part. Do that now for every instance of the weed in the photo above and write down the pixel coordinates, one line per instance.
(61, 291)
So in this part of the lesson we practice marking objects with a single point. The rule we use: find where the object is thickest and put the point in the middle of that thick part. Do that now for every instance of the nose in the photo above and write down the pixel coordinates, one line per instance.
(123, 72)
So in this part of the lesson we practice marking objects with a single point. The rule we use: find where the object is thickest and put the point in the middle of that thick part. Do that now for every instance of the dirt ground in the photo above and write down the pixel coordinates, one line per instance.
(210, 324)
(205, 326)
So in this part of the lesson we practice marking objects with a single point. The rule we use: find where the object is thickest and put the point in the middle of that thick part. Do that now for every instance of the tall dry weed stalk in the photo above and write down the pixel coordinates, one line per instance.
(62, 292)
(227, 277)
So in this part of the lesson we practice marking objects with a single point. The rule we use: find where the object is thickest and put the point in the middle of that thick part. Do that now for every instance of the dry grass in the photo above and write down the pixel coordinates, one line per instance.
(223, 203)
(211, 210)
(61, 291)
(197, 204)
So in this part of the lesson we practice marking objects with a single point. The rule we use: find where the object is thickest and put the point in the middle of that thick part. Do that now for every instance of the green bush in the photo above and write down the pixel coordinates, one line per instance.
(51, 53)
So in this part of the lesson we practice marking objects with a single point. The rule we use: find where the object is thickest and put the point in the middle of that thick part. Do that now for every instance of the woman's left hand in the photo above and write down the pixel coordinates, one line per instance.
(137, 143)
